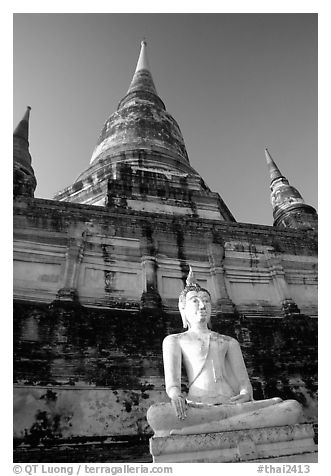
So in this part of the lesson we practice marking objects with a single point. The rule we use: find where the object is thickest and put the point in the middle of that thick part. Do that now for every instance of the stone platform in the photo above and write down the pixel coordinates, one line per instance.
(234, 446)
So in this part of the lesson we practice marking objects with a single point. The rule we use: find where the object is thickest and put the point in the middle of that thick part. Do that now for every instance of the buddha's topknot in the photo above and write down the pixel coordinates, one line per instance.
(191, 285)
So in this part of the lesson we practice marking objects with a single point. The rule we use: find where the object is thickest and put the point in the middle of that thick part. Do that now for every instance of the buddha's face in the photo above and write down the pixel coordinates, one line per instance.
(197, 307)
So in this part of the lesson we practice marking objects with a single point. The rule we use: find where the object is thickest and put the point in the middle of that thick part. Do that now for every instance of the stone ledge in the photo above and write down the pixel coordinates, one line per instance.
(69, 209)
(234, 446)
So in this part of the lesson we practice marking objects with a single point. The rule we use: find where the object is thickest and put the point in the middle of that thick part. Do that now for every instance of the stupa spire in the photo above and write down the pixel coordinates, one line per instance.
(22, 129)
(141, 153)
(142, 80)
(24, 178)
(274, 171)
(289, 208)
(143, 59)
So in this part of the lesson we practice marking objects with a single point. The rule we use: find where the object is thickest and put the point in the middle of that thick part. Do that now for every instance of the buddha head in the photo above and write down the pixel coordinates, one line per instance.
(194, 302)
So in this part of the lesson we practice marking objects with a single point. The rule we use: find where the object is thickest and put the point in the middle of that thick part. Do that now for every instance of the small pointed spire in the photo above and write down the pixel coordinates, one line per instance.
(24, 178)
(143, 60)
(22, 129)
(274, 171)
(142, 79)
(289, 208)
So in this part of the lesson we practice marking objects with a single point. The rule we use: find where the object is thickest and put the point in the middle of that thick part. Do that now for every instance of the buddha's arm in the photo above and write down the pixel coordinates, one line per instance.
(238, 367)
(172, 361)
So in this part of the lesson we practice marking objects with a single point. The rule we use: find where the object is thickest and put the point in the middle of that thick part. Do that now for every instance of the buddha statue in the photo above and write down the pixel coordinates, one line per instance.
(220, 396)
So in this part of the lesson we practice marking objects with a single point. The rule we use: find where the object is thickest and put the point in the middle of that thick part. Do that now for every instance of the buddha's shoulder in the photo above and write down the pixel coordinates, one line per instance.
(173, 338)
(178, 339)
(222, 337)
(187, 336)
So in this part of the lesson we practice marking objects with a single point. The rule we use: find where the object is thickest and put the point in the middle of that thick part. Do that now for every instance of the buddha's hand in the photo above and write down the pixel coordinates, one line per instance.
(241, 398)
(180, 406)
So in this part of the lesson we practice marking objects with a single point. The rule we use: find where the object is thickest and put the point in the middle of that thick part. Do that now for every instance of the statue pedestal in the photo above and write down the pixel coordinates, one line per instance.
(234, 446)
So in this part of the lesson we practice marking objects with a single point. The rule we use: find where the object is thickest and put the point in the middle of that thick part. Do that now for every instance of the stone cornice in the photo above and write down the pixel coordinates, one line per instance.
(68, 210)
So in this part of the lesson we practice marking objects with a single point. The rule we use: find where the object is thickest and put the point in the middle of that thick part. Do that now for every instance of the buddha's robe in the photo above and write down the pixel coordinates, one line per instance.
(214, 364)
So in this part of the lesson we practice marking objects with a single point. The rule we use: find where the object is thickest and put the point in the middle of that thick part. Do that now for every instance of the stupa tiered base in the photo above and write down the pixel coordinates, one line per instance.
(234, 446)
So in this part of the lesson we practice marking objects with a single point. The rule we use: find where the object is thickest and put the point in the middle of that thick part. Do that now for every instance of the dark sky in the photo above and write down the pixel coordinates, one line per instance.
(235, 83)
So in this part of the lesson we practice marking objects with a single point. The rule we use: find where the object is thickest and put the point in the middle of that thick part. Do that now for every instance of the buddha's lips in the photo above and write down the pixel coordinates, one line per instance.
(202, 316)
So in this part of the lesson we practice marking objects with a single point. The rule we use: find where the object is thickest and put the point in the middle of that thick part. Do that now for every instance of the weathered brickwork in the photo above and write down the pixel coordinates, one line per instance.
(90, 374)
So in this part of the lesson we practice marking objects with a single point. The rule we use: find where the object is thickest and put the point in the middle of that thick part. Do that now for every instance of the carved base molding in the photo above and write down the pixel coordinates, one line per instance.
(234, 446)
